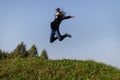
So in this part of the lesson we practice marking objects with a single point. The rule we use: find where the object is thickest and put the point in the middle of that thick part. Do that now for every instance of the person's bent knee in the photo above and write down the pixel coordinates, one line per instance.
(60, 39)
(51, 41)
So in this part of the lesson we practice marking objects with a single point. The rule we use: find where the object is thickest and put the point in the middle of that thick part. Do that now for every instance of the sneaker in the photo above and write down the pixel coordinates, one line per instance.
(68, 35)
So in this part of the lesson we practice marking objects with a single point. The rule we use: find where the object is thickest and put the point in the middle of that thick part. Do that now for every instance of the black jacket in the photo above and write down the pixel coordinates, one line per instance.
(55, 24)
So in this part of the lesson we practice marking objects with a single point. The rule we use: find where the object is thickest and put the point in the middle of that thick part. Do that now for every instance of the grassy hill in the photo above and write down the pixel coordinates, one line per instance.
(41, 69)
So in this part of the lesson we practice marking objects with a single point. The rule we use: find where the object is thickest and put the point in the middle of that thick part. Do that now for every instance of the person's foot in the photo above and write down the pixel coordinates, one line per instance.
(68, 35)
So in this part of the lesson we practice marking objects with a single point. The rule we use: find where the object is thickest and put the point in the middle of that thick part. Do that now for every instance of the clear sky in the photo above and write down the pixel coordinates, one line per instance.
(95, 30)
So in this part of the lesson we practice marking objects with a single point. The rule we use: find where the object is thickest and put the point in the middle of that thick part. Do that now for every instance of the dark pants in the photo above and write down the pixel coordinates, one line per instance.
(55, 34)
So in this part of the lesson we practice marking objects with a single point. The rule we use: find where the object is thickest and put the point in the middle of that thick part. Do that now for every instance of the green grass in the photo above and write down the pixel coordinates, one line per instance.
(39, 69)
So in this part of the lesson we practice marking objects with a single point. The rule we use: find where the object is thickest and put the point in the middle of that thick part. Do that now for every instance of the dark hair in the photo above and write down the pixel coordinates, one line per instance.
(57, 9)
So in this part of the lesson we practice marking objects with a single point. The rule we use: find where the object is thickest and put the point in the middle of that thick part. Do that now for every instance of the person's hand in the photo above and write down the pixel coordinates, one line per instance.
(72, 16)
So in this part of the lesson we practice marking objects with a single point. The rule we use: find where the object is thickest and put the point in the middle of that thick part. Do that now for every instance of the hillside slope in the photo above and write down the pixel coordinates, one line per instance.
(40, 69)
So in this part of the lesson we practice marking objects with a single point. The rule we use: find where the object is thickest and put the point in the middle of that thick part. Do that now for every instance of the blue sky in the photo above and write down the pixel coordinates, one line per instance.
(95, 30)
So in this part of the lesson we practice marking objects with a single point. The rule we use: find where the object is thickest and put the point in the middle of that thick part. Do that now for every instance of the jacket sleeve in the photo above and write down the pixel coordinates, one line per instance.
(67, 17)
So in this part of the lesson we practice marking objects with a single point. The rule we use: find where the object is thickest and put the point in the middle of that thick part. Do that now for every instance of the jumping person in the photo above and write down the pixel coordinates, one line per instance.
(59, 16)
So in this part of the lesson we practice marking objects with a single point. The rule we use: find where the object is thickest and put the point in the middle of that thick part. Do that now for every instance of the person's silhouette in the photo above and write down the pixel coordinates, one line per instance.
(59, 16)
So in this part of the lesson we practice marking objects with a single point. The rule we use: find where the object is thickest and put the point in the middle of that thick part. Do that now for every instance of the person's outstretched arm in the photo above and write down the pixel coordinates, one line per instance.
(68, 17)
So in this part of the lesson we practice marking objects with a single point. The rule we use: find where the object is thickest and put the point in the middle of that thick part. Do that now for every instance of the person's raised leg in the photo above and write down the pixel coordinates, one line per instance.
(60, 38)
(52, 37)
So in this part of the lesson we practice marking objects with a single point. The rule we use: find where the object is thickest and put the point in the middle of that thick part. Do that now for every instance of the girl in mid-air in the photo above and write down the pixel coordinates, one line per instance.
(59, 17)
